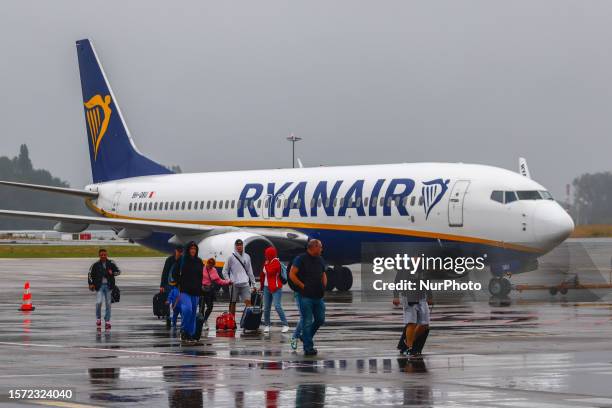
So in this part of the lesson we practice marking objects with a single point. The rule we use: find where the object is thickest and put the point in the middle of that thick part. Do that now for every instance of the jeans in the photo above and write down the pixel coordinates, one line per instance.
(313, 317)
(269, 298)
(189, 309)
(297, 333)
(105, 293)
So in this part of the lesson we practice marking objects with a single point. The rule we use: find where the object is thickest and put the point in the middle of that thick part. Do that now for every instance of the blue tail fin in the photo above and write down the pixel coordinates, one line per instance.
(112, 151)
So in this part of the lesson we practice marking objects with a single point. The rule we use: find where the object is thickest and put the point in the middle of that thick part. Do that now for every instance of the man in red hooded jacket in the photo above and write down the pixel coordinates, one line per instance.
(271, 286)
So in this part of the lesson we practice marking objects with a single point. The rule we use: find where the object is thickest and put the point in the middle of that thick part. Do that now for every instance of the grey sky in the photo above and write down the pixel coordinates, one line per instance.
(361, 82)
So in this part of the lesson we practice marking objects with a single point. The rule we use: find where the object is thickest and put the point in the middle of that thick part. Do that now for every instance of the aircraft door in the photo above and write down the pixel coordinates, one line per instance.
(455, 203)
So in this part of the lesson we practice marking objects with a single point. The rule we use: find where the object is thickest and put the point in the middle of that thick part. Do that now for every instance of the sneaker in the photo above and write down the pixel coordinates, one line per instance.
(266, 329)
(285, 329)
(205, 326)
(107, 325)
(98, 322)
(294, 343)
(312, 352)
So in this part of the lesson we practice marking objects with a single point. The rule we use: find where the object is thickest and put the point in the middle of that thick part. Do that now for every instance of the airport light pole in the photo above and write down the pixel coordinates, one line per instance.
(293, 138)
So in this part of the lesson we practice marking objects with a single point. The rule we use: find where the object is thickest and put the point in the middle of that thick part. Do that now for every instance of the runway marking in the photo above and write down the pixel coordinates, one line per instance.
(62, 404)
(156, 353)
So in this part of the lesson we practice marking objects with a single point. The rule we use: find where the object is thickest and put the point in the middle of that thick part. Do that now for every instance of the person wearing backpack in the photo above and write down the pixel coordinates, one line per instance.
(101, 279)
(238, 269)
(271, 283)
(167, 284)
(210, 278)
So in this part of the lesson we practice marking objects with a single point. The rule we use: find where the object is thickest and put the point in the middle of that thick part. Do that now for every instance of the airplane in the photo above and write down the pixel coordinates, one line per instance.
(458, 208)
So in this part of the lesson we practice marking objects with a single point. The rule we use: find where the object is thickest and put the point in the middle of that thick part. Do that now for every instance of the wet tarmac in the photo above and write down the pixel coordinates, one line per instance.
(522, 353)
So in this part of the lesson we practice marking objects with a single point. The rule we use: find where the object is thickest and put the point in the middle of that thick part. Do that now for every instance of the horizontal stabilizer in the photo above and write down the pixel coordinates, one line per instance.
(52, 189)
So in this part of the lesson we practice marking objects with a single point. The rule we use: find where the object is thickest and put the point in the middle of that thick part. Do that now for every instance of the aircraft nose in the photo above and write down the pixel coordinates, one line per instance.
(552, 224)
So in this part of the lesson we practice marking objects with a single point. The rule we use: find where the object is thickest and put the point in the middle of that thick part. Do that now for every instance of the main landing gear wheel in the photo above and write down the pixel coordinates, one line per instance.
(499, 287)
(339, 277)
(344, 279)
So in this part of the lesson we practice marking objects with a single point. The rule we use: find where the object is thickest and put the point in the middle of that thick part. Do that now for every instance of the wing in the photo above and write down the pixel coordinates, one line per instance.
(140, 229)
(85, 221)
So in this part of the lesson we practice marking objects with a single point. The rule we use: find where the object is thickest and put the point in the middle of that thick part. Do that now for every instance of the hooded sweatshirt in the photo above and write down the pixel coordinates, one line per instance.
(190, 272)
(270, 274)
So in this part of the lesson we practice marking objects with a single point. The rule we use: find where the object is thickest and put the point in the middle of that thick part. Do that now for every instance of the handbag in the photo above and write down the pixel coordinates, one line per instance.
(115, 294)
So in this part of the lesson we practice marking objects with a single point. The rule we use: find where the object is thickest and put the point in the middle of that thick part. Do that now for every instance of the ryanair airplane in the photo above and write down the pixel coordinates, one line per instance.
(461, 209)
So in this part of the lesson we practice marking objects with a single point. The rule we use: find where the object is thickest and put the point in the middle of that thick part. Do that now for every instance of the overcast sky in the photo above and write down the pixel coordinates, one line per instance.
(219, 85)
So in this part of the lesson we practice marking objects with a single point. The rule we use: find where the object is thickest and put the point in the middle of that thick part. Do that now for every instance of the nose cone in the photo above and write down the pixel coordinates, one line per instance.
(552, 224)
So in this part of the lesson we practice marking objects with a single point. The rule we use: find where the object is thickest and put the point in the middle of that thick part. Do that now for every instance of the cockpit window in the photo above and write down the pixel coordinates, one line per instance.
(529, 195)
(510, 196)
(546, 195)
(497, 196)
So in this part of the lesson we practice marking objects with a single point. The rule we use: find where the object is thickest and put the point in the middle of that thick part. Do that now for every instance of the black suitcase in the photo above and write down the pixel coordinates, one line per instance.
(251, 316)
(160, 308)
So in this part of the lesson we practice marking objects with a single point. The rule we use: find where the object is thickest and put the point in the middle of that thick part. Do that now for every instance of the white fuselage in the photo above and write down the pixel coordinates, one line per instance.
(444, 201)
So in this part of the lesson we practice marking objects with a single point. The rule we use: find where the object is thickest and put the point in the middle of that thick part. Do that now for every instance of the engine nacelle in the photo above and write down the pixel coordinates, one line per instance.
(221, 246)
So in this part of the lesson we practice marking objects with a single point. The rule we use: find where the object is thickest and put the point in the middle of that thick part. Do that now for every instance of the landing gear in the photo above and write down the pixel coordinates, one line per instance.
(339, 277)
(499, 287)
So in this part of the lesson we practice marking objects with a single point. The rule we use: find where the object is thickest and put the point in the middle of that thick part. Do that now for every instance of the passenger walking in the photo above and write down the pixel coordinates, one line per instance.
(210, 277)
(101, 279)
(297, 332)
(238, 269)
(415, 305)
(308, 274)
(168, 282)
(271, 286)
(190, 287)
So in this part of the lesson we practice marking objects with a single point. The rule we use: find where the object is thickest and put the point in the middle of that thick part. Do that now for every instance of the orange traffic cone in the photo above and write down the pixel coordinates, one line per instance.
(26, 305)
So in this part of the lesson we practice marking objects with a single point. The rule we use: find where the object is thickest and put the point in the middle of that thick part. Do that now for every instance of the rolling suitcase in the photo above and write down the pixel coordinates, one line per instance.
(251, 316)
(160, 308)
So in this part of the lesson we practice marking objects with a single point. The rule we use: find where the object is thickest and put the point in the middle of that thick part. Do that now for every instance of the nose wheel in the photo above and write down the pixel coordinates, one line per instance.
(499, 287)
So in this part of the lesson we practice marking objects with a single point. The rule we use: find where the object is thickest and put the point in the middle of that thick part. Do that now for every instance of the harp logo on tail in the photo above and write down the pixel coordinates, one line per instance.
(433, 191)
(98, 113)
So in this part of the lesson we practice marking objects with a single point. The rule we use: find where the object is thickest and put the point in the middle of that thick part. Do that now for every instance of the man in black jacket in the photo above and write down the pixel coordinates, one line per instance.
(101, 279)
(189, 281)
(166, 284)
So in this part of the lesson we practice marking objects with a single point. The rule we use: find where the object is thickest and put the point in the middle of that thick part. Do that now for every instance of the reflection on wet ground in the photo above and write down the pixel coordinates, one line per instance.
(520, 354)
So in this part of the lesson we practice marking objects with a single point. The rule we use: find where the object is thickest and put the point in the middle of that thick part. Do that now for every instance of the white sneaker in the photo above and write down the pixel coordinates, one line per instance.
(205, 327)
(285, 329)
(266, 329)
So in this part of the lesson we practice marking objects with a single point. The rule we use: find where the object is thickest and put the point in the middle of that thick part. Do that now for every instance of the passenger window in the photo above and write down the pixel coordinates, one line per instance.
(497, 196)
(258, 204)
(374, 201)
(139, 206)
(208, 205)
(421, 200)
(342, 202)
(172, 205)
(150, 206)
(183, 205)
(510, 196)
(382, 201)
(130, 206)
(214, 204)
(278, 203)
(366, 201)
(233, 204)
(155, 206)
(226, 204)
(189, 205)
(412, 201)
(359, 202)
(166, 206)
